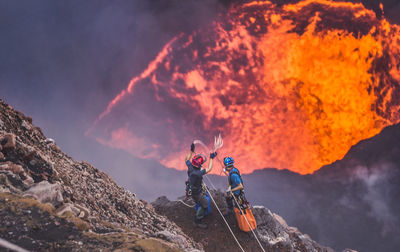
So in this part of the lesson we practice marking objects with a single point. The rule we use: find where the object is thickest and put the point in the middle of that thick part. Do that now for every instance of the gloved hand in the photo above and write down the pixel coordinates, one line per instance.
(213, 155)
(192, 147)
(229, 190)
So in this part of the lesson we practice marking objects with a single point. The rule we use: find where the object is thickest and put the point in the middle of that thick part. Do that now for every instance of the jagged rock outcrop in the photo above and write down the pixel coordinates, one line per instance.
(48, 201)
(272, 230)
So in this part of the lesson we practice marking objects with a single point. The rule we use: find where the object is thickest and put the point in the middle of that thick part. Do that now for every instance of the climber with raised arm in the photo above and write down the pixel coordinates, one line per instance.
(235, 186)
(196, 173)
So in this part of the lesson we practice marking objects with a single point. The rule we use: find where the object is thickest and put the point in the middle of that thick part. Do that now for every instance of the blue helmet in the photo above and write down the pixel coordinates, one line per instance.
(228, 161)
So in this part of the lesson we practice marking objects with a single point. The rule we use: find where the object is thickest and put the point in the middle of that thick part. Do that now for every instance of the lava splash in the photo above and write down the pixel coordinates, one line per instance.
(292, 86)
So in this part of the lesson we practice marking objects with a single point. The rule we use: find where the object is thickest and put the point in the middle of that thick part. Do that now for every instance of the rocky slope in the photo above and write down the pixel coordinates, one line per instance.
(272, 230)
(48, 201)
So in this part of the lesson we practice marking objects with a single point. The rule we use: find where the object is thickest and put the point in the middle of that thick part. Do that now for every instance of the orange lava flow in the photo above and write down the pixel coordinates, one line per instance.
(150, 68)
(291, 87)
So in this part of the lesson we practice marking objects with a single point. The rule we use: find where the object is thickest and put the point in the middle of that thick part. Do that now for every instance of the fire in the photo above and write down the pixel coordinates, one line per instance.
(289, 87)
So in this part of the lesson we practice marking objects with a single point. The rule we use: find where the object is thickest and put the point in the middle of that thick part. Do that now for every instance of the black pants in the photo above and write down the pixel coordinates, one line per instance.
(200, 198)
(229, 202)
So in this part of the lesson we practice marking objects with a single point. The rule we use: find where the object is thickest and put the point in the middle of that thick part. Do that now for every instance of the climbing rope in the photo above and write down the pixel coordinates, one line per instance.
(222, 169)
(11, 246)
(216, 206)
(241, 211)
(248, 223)
(259, 243)
(219, 211)
(191, 206)
(237, 204)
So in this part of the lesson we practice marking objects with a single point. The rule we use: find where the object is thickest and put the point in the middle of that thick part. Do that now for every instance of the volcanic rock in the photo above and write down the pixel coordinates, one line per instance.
(48, 201)
(272, 231)
(67, 208)
(8, 141)
(45, 192)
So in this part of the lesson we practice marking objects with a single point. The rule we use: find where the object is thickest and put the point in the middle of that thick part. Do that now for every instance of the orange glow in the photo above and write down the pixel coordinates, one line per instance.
(357, 8)
(150, 68)
(289, 87)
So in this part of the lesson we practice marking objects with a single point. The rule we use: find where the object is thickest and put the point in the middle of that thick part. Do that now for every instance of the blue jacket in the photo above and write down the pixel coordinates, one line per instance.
(234, 180)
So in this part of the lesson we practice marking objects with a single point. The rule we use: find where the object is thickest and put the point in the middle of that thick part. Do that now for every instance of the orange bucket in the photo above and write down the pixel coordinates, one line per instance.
(242, 221)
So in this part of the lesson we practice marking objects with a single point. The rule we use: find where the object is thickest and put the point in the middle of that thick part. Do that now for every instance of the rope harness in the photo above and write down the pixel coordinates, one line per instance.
(241, 211)
(219, 211)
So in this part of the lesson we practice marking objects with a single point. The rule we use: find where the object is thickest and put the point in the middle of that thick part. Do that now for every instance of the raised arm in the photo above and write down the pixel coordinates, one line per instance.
(190, 154)
(210, 164)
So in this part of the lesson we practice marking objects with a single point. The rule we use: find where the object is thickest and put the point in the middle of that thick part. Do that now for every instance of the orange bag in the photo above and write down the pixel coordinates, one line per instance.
(242, 221)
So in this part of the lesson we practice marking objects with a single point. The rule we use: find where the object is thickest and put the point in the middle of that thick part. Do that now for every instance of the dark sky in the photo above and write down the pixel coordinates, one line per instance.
(65, 60)
(61, 62)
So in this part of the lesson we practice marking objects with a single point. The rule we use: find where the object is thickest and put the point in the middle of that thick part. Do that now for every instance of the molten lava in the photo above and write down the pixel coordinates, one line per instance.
(289, 87)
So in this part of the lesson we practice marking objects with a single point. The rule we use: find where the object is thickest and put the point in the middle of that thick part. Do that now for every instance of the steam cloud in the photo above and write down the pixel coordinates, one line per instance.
(378, 194)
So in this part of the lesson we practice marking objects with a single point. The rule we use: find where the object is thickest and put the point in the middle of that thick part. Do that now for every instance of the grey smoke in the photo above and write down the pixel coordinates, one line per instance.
(377, 193)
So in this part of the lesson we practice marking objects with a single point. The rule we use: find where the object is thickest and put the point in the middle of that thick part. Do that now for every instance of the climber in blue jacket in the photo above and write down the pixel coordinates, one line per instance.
(235, 185)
